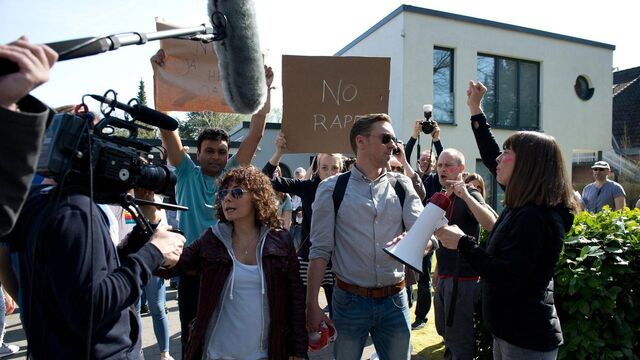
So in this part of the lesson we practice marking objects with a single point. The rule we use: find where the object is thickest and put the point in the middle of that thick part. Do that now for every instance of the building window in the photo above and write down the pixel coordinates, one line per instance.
(583, 88)
(443, 85)
(512, 92)
(493, 193)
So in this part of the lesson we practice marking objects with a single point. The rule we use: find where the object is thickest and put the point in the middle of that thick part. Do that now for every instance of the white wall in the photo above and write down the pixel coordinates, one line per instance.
(409, 39)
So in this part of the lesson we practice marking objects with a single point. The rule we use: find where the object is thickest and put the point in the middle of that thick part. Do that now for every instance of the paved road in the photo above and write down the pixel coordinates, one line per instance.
(15, 335)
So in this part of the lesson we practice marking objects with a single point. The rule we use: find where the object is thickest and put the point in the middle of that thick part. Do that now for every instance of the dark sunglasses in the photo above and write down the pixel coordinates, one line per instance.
(386, 138)
(236, 193)
(599, 169)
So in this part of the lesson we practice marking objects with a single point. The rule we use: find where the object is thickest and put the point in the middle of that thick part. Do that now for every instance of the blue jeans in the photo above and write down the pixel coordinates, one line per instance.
(2, 316)
(386, 319)
(156, 296)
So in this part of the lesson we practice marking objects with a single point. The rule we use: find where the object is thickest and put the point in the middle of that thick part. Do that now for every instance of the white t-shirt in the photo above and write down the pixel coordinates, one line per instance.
(238, 331)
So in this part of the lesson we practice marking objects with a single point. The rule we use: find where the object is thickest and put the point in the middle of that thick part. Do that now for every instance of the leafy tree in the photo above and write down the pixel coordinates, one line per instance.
(197, 121)
(142, 100)
(142, 94)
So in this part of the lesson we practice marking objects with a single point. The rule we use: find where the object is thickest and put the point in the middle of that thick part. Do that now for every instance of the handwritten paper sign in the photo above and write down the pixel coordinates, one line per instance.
(324, 95)
(186, 76)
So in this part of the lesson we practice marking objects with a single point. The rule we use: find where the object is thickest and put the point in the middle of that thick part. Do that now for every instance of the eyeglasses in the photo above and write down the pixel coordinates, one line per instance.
(386, 138)
(600, 169)
(236, 193)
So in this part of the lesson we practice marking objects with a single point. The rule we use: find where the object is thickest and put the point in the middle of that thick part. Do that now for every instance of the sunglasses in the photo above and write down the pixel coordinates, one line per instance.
(599, 169)
(236, 193)
(386, 138)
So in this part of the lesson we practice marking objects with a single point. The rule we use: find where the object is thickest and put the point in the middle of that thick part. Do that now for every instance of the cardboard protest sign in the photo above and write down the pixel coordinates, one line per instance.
(186, 76)
(324, 95)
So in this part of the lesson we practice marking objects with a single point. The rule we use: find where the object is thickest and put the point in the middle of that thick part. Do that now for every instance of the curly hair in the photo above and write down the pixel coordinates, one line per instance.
(263, 197)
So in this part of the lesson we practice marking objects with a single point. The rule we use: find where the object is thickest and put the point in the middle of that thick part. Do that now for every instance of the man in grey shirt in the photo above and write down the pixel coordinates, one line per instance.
(603, 191)
(368, 297)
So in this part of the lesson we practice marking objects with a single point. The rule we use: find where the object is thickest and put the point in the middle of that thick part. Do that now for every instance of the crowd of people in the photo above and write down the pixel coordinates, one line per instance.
(257, 246)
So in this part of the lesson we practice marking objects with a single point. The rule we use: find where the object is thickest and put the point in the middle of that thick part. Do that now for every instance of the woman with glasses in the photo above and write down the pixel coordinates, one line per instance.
(251, 302)
(519, 260)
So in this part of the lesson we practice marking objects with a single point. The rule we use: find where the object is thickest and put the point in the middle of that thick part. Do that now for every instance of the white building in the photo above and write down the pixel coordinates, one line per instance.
(558, 84)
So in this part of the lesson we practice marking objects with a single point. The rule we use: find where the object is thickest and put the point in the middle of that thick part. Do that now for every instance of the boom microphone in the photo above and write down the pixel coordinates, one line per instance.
(142, 113)
(240, 59)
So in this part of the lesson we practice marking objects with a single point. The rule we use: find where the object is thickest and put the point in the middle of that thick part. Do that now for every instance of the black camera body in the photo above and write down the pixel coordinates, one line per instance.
(428, 125)
(74, 149)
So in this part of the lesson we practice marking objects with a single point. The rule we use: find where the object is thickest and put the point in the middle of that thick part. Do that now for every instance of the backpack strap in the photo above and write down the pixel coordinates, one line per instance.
(341, 187)
(338, 191)
(399, 189)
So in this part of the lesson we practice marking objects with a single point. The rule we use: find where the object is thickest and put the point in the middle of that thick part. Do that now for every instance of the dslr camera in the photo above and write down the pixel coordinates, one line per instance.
(428, 125)
(76, 150)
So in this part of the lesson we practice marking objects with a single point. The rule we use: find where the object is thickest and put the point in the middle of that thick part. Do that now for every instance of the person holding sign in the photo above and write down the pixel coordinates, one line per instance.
(197, 186)
(369, 296)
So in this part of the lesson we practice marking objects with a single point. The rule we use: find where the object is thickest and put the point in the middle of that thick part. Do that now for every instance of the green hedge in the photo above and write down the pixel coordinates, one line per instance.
(596, 289)
(597, 286)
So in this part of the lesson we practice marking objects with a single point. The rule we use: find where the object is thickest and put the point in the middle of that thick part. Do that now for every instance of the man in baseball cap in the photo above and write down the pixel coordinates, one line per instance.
(603, 191)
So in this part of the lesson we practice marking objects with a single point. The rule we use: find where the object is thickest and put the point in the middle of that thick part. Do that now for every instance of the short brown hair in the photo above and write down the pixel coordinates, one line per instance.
(362, 126)
(263, 196)
(469, 177)
(539, 174)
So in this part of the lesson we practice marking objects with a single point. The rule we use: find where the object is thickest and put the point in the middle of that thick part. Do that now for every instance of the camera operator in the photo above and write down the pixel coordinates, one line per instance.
(77, 292)
(74, 281)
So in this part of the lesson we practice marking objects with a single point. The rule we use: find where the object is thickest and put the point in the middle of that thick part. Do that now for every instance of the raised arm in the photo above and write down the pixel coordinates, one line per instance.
(23, 130)
(281, 144)
(408, 148)
(256, 129)
(172, 143)
(416, 181)
(487, 144)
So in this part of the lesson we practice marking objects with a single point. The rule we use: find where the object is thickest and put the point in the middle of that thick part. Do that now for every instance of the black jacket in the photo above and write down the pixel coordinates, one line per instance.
(209, 257)
(306, 190)
(64, 273)
(19, 151)
(518, 264)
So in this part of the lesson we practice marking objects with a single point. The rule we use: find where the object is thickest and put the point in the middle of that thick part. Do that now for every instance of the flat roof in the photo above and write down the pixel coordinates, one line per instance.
(472, 20)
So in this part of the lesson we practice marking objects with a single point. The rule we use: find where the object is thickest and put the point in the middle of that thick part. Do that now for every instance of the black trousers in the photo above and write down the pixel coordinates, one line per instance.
(423, 303)
(188, 292)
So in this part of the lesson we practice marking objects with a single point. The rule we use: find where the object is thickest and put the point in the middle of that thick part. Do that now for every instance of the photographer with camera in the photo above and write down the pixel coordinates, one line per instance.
(432, 185)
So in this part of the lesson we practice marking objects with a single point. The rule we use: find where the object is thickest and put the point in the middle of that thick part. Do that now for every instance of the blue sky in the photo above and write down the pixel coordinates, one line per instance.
(292, 27)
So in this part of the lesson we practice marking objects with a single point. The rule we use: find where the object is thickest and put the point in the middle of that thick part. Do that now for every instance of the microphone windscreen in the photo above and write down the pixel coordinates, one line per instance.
(239, 56)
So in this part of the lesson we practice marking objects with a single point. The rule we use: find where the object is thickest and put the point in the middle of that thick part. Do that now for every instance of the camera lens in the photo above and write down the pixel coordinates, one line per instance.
(156, 178)
(428, 126)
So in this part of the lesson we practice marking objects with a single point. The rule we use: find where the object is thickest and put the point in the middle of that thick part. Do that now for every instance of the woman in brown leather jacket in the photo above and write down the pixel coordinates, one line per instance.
(251, 303)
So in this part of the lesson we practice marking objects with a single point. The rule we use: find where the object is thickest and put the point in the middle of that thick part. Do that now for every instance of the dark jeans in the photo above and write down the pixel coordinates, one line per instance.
(188, 291)
(423, 304)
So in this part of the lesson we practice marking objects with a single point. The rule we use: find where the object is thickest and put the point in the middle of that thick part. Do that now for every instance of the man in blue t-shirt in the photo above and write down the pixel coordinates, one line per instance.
(603, 191)
(197, 186)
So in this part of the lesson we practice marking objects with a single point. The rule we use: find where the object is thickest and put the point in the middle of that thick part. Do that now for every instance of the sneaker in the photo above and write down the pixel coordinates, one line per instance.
(8, 349)
(418, 324)
(165, 356)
